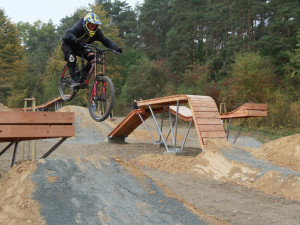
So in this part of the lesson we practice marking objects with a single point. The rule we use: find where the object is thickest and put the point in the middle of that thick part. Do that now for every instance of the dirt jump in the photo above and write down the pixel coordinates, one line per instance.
(90, 181)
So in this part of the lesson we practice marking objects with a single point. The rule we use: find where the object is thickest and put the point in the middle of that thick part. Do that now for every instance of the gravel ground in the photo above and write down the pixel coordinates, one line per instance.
(227, 202)
(103, 192)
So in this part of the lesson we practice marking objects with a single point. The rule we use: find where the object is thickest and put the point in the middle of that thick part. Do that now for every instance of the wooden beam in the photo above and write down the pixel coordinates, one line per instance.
(37, 131)
(37, 117)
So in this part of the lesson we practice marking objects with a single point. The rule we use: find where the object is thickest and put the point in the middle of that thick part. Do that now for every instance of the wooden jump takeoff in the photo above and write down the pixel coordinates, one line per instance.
(22, 126)
(202, 111)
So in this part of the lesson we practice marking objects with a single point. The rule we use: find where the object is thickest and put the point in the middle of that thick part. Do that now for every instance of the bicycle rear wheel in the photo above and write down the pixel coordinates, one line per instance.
(102, 98)
(65, 91)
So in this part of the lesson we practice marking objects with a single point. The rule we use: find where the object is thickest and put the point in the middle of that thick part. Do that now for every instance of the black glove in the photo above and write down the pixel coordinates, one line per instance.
(118, 50)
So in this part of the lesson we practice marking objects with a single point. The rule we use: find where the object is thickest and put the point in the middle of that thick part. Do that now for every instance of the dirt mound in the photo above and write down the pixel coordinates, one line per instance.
(90, 190)
(143, 135)
(283, 152)
(223, 162)
(86, 129)
(4, 108)
(16, 190)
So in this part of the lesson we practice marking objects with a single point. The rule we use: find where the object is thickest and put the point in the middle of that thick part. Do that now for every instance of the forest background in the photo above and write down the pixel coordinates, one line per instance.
(235, 51)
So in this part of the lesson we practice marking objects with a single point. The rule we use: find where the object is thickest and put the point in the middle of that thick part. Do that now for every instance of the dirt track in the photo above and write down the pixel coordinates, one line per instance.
(243, 195)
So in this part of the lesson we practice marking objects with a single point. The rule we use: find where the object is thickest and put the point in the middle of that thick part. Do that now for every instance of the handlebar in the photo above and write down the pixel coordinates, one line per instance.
(101, 50)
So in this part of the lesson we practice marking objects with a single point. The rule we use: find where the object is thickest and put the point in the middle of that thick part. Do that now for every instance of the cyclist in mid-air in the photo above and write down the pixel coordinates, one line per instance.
(85, 31)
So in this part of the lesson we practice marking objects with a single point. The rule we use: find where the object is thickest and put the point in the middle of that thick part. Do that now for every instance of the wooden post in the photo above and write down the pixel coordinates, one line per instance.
(223, 110)
(34, 141)
(33, 107)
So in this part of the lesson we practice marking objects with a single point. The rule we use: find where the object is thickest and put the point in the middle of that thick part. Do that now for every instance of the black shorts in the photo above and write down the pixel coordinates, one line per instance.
(67, 48)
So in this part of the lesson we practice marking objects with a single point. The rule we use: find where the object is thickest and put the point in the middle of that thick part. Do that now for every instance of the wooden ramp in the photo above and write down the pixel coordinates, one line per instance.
(129, 124)
(204, 113)
(247, 110)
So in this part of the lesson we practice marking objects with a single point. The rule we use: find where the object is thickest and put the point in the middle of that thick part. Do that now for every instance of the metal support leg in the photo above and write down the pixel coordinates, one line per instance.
(176, 123)
(6, 148)
(240, 130)
(187, 133)
(160, 133)
(147, 128)
(15, 154)
(171, 125)
(169, 130)
(161, 127)
(228, 129)
(54, 147)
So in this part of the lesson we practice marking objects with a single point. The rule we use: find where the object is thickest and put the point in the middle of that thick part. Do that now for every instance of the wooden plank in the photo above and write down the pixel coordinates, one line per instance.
(205, 121)
(37, 117)
(169, 100)
(23, 131)
(207, 114)
(256, 106)
(205, 109)
(211, 127)
(196, 97)
(203, 104)
(213, 134)
(257, 113)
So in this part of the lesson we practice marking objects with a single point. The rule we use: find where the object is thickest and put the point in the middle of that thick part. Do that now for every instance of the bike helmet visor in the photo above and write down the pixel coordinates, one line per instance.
(93, 19)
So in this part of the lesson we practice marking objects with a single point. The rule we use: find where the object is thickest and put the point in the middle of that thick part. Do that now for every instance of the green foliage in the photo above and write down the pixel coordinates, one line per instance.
(292, 74)
(282, 113)
(252, 80)
(194, 80)
(123, 17)
(12, 59)
(147, 80)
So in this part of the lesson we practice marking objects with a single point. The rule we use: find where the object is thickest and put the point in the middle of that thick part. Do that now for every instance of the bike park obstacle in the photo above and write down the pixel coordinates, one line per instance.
(56, 102)
(202, 111)
(245, 111)
(23, 126)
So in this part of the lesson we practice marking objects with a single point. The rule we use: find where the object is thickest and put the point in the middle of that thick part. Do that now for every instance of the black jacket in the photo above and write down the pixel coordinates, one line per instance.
(77, 31)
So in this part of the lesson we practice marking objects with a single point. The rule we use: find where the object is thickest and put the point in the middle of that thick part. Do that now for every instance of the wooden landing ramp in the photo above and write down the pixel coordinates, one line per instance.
(20, 126)
(129, 124)
(203, 109)
(247, 110)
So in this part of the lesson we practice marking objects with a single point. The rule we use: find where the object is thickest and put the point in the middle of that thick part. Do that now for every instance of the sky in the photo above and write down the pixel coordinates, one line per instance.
(44, 10)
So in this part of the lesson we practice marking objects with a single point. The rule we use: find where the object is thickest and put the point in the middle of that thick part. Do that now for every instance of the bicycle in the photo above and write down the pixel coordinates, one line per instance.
(102, 92)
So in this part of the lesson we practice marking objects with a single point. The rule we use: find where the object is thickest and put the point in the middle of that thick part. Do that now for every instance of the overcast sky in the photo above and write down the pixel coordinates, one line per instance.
(44, 10)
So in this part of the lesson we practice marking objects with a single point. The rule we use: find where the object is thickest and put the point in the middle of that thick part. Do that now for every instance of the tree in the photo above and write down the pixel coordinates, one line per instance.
(123, 17)
(40, 40)
(252, 80)
(12, 59)
(153, 26)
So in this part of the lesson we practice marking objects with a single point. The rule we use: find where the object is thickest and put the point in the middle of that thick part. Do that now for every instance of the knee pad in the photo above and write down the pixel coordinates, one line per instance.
(71, 59)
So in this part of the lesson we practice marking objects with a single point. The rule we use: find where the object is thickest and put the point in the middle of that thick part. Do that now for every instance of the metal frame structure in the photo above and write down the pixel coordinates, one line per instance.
(173, 132)
(16, 149)
(239, 132)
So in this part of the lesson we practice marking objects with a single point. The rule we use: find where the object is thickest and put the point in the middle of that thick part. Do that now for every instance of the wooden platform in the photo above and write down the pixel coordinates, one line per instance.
(20, 126)
(246, 111)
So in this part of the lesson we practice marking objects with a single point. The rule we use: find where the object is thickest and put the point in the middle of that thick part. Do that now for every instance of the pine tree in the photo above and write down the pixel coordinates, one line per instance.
(12, 58)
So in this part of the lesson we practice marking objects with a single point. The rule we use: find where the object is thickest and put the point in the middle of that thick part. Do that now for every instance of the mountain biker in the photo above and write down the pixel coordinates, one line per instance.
(85, 31)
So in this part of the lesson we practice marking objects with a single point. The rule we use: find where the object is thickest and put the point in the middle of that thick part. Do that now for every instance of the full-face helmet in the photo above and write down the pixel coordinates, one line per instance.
(90, 18)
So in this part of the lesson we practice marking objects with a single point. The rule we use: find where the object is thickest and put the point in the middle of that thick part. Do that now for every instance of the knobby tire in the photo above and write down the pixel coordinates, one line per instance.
(102, 103)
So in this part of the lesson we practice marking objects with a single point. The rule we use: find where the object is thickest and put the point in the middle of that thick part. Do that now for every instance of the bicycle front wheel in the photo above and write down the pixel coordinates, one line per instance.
(65, 91)
(102, 98)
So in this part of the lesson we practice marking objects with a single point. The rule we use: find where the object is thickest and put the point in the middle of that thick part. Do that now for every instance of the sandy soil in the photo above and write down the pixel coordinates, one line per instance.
(232, 183)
